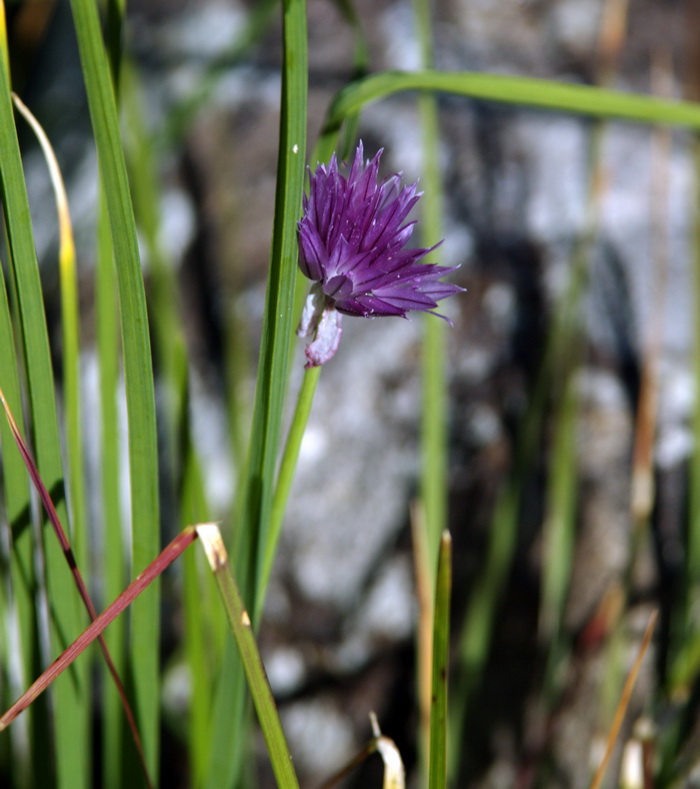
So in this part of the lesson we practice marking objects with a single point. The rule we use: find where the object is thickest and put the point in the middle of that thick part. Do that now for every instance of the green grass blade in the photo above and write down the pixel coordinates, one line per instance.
(238, 369)
(279, 314)
(170, 348)
(4, 53)
(558, 535)
(565, 355)
(184, 471)
(433, 476)
(242, 629)
(477, 630)
(288, 466)
(200, 671)
(71, 693)
(69, 557)
(204, 625)
(536, 93)
(70, 324)
(441, 651)
(688, 628)
(228, 724)
(32, 736)
(480, 619)
(138, 373)
(115, 554)
(16, 503)
(433, 484)
(252, 531)
(685, 628)
(70, 349)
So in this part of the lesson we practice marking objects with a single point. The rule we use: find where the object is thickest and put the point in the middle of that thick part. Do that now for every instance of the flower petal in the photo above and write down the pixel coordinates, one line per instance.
(369, 306)
(327, 339)
(352, 244)
(313, 257)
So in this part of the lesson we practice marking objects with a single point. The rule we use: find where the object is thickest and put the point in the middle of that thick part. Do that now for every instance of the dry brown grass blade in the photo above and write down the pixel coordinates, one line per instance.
(424, 647)
(166, 557)
(624, 702)
(645, 431)
(394, 774)
(612, 37)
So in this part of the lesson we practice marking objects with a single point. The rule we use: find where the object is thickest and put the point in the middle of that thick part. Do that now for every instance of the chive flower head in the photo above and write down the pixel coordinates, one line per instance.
(352, 245)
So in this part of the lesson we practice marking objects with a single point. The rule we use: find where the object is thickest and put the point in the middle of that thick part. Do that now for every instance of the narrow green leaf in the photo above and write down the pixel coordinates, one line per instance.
(252, 530)
(138, 373)
(433, 483)
(115, 555)
(72, 705)
(434, 473)
(688, 631)
(559, 533)
(242, 629)
(204, 623)
(34, 737)
(16, 503)
(279, 314)
(70, 559)
(441, 651)
(70, 323)
(4, 53)
(170, 348)
(537, 93)
(288, 466)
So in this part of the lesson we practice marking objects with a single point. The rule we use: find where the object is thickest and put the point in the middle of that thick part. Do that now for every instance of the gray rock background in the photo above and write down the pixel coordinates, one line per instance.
(338, 636)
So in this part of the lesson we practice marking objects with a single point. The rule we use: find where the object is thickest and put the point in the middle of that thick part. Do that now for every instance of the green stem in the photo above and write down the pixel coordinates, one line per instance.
(433, 479)
(285, 476)
(441, 652)
(242, 630)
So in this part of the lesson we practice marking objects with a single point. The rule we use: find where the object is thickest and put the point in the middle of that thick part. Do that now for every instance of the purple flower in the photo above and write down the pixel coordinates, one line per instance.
(352, 239)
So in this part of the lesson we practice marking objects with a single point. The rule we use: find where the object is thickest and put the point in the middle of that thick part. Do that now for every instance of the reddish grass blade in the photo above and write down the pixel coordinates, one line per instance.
(80, 584)
(94, 631)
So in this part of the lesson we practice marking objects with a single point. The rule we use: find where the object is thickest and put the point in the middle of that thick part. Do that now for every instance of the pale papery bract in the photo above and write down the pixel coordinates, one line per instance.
(352, 245)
